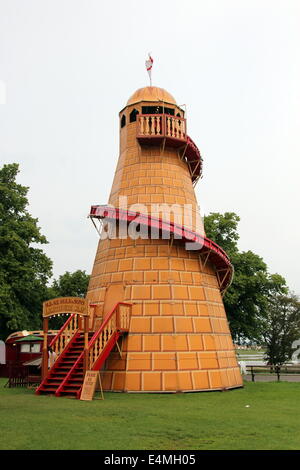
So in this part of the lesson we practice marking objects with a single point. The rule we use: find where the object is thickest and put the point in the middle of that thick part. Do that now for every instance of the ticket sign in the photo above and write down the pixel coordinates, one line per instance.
(91, 383)
(65, 305)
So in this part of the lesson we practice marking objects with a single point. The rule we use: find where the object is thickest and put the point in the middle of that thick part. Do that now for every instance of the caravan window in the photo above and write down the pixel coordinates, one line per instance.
(31, 348)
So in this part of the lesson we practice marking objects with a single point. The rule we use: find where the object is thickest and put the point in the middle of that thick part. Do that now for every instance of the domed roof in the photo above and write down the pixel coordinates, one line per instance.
(151, 93)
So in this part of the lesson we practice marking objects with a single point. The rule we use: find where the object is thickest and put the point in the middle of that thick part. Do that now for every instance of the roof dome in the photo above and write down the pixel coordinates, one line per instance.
(151, 93)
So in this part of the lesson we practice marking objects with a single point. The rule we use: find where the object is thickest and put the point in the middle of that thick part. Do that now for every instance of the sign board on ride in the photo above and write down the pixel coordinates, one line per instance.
(65, 305)
(91, 382)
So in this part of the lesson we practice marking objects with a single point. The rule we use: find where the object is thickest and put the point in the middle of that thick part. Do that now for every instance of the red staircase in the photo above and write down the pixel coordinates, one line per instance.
(66, 376)
(63, 365)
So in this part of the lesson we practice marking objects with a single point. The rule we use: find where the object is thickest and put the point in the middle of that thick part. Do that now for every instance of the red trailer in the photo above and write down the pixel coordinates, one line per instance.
(23, 353)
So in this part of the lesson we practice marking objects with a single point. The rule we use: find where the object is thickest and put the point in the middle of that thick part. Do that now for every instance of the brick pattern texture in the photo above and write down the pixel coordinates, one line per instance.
(179, 339)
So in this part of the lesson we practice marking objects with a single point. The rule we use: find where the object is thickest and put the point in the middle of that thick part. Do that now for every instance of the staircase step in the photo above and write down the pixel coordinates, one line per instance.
(71, 386)
(48, 389)
(65, 367)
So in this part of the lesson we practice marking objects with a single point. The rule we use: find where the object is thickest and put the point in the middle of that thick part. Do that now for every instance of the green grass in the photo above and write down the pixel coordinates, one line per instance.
(208, 420)
(249, 352)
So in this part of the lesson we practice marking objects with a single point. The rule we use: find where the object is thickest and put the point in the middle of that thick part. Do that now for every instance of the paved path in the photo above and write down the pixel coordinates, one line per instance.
(273, 378)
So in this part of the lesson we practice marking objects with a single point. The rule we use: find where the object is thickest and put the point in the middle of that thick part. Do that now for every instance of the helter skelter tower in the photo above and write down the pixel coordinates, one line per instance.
(179, 339)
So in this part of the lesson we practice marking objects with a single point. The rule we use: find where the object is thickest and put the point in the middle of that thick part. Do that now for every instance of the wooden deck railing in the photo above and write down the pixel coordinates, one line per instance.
(65, 334)
(117, 320)
(175, 127)
(161, 125)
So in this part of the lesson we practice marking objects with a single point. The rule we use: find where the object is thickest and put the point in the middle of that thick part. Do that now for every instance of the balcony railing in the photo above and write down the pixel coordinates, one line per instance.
(161, 126)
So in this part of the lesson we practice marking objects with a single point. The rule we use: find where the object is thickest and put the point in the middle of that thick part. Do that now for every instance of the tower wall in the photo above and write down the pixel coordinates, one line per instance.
(179, 337)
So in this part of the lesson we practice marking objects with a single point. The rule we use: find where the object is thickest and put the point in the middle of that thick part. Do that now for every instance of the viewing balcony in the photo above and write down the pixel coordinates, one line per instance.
(154, 128)
(166, 130)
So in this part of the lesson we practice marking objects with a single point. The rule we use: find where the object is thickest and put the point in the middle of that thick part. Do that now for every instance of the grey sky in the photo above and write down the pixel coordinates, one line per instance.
(69, 67)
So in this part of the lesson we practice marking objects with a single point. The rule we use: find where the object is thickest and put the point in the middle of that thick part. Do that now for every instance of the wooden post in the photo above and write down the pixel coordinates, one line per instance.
(118, 322)
(86, 343)
(92, 315)
(45, 349)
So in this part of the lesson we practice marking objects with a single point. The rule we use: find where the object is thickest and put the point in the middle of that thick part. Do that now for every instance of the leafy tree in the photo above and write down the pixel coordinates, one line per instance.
(281, 327)
(70, 284)
(67, 285)
(24, 269)
(246, 299)
(222, 229)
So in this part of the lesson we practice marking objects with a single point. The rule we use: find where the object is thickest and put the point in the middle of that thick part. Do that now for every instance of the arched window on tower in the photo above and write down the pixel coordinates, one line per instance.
(133, 115)
(123, 121)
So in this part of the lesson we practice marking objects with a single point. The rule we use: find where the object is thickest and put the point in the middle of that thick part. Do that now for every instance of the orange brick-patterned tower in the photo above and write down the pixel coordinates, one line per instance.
(179, 339)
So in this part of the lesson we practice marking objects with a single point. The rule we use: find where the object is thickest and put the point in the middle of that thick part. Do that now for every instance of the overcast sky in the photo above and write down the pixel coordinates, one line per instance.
(69, 66)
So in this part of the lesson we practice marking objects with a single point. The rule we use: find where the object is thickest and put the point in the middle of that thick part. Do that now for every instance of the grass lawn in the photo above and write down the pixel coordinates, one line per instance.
(249, 352)
(208, 420)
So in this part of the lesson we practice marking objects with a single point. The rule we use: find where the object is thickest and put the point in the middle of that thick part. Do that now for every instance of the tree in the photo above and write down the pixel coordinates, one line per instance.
(222, 229)
(281, 327)
(24, 269)
(70, 284)
(245, 301)
(67, 285)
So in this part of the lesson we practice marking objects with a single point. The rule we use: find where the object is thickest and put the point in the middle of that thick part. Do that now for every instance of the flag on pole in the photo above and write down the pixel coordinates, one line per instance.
(149, 63)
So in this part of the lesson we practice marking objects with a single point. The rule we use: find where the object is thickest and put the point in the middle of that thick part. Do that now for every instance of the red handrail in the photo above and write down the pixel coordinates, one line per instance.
(107, 318)
(62, 329)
